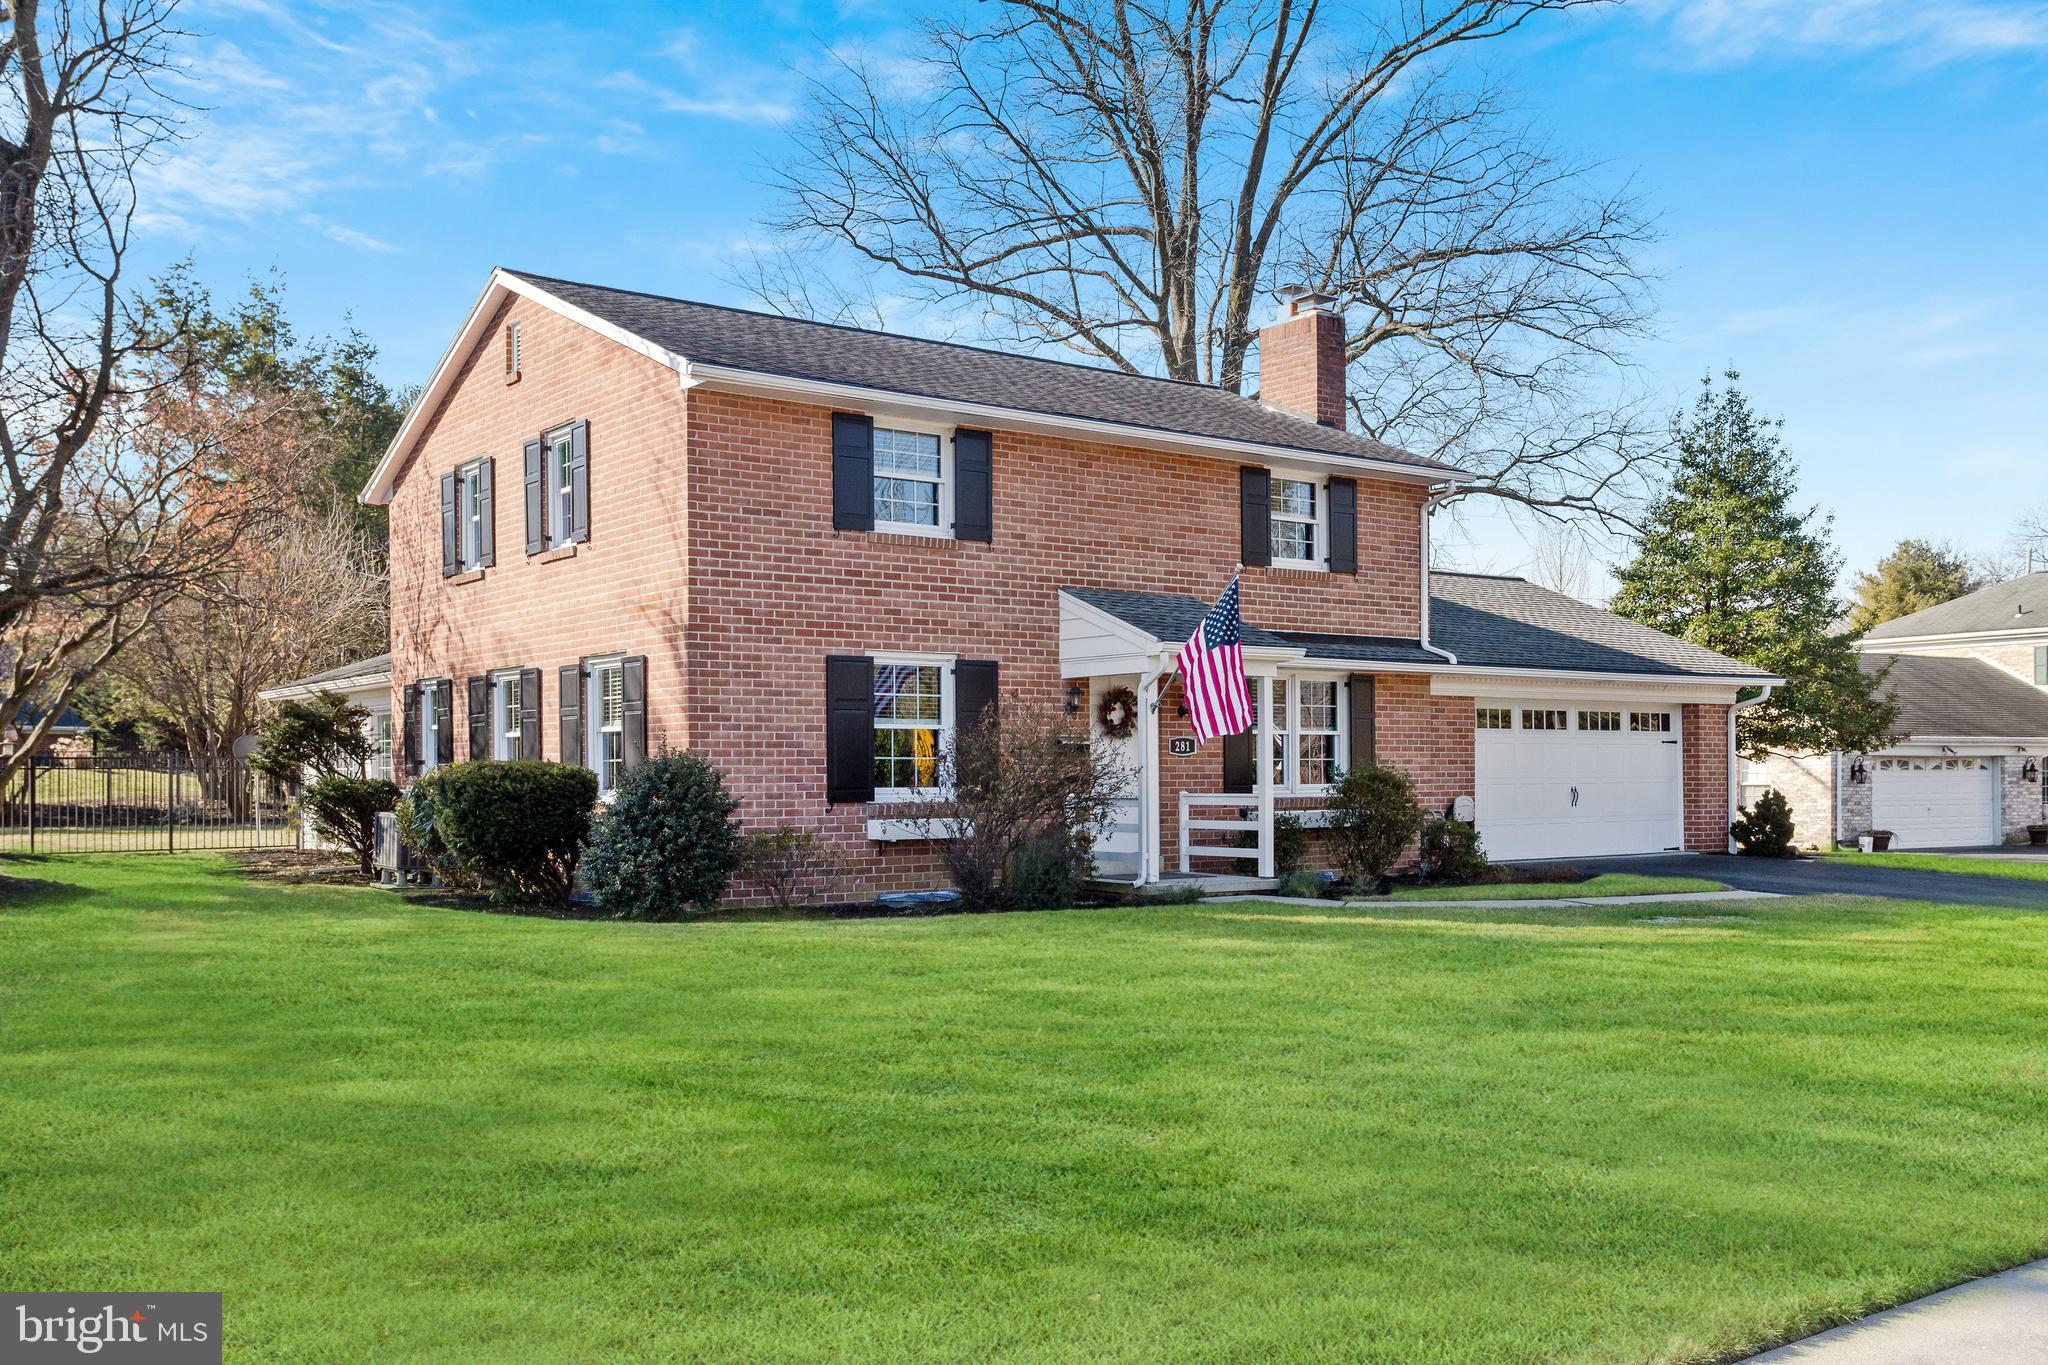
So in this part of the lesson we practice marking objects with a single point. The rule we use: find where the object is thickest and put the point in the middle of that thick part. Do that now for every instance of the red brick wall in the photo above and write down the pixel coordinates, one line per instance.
(1706, 778)
(623, 591)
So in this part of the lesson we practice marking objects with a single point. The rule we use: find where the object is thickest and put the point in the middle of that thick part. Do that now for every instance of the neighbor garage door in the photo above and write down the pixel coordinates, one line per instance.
(1935, 802)
(1567, 780)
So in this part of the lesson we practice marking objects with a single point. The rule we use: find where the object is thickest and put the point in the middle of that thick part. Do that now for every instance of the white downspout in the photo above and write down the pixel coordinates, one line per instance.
(1429, 506)
(1758, 700)
(1150, 861)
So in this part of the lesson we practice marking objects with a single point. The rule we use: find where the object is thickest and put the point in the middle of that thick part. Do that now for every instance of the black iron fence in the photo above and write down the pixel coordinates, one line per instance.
(141, 803)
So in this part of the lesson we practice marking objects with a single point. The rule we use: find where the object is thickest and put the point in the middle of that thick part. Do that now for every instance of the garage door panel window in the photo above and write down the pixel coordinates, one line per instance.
(1494, 718)
(1542, 720)
(1649, 722)
(1600, 720)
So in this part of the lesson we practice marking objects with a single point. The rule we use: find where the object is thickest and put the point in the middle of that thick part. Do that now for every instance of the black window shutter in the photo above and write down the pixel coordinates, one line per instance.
(853, 472)
(487, 494)
(1343, 526)
(1255, 514)
(536, 499)
(451, 546)
(974, 692)
(479, 718)
(1364, 726)
(849, 728)
(529, 713)
(579, 479)
(444, 720)
(1238, 773)
(633, 710)
(973, 485)
(570, 705)
(412, 728)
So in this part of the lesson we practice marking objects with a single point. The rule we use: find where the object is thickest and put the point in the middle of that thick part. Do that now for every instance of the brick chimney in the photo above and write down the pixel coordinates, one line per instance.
(1301, 358)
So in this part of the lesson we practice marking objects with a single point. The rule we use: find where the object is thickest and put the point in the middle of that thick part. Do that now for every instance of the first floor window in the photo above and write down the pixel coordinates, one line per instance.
(1296, 520)
(379, 763)
(430, 722)
(1307, 731)
(910, 479)
(911, 721)
(505, 724)
(607, 723)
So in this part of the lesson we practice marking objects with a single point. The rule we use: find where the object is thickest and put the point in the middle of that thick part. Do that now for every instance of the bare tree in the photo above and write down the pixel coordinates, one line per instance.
(96, 511)
(1561, 560)
(1125, 182)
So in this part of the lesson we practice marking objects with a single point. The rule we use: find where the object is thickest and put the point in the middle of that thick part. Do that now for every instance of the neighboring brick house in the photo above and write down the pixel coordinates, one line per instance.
(812, 552)
(1971, 681)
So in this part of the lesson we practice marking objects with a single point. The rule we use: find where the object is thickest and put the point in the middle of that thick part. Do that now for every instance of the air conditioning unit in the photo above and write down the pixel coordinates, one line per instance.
(395, 861)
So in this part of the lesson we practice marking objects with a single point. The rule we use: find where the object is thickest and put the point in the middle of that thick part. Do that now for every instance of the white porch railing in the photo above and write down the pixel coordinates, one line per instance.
(1190, 824)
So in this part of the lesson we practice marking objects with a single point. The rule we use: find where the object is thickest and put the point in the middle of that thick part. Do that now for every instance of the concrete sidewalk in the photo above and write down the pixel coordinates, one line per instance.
(1999, 1320)
(1381, 902)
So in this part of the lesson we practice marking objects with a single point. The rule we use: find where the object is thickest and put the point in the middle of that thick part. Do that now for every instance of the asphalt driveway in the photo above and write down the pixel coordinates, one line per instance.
(1808, 877)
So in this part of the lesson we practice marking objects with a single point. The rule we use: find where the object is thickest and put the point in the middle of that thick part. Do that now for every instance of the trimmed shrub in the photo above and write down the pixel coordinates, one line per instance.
(514, 828)
(1450, 851)
(790, 865)
(344, 810)
(1047, 873)
(1764, 829)
(668, 843)
(1300, 884)
(1290, 842)
(1373, 816)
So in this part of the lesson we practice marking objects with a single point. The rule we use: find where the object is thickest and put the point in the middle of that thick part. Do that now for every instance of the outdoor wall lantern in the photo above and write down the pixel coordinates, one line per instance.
(1857, 772)
(1073, 698)
(2030, 770)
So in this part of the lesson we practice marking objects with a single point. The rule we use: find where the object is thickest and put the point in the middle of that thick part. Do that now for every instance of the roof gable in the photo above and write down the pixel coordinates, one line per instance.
(2019, 604)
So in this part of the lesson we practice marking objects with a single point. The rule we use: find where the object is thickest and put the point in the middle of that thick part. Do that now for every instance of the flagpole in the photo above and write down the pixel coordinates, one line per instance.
(1166, 676)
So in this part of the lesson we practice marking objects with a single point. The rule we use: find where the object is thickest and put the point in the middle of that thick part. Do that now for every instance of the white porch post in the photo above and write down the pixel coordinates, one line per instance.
(1151, 862)
(1263, 761)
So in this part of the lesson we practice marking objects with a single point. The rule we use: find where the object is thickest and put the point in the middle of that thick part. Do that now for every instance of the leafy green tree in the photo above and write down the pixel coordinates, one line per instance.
(1728, 562)
(1916, 575)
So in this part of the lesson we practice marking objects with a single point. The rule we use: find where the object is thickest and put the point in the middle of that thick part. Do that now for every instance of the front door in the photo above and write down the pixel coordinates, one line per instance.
(1117, 848)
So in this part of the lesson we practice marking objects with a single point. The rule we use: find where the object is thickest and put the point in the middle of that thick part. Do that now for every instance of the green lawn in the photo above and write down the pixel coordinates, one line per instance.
(1606, 884)
(2014, 868)
(1232, 1132)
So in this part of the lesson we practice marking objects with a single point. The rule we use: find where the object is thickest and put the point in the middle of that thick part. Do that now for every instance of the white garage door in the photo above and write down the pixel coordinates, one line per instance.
(1570, 780)
(1935, 802)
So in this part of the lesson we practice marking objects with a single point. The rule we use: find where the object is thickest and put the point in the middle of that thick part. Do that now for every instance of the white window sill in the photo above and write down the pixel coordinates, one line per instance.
(466, 576)
(1300, 566)
(901, 528)
(896, 831)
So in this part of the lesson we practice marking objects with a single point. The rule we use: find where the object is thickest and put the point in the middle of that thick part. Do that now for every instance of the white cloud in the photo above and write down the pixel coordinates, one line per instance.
(1724, 31)
(711, 86)
(348, 236)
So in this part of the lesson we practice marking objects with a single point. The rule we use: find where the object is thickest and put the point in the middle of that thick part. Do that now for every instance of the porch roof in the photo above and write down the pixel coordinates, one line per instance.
(1170, 618)
(374, 671)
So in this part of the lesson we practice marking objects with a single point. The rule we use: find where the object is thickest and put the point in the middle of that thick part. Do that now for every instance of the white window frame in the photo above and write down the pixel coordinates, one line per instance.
(558, 479)
(944, 529)
(430, 727)
(1319, 523)
(377, 729)
(594, 730)
(1287, 733)
(944, 663)
(505, 733)
(469, 516)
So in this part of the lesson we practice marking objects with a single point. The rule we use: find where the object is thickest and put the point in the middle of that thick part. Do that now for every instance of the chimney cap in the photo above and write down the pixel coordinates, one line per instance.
(1296, 299)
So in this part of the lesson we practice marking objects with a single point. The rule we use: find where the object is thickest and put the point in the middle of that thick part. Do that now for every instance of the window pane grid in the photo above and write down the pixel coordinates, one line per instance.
(1494, 718)
(909, 710)
(1543, 720)
(1293, 518)
(1599, 720)
(1654, 722)
(909, 473)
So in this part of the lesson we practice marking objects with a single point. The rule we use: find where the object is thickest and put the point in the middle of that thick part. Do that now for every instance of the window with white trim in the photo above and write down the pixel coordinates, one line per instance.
(1599, 720)
(378, 765)
(1650, 722)
(1297, 511)
(469, 515)
(430, 722)
(913, 725)
(1493, 718)
(505, 723)
(911, 482)
(1310, 727)
(558, 478)
(605, 709)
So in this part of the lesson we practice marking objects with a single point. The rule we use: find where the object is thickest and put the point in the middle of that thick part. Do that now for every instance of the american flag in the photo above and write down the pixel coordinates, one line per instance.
(1212, 672)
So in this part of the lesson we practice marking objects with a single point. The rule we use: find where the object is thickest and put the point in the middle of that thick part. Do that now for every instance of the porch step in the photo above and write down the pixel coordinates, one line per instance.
(1210, 885)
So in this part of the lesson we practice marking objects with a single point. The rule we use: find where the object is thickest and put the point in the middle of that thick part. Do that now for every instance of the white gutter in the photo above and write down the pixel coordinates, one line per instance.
(1733, 711)
(1429, 506)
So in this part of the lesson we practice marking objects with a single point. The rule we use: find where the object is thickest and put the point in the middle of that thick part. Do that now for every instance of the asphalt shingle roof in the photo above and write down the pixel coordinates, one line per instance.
(790, 347)
(1959, 697)
(376, 663)
(2020, 604)
(1511, 623)
(1487, 622)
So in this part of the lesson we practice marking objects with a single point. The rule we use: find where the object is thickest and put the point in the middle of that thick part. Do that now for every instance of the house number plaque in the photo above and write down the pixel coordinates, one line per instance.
(1181, 746)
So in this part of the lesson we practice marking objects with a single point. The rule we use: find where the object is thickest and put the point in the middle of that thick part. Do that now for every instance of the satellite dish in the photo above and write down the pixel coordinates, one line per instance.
(1461, 809)
(245, 746)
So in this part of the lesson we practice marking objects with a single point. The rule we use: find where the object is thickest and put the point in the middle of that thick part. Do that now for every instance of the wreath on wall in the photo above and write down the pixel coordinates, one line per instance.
(1117, 712)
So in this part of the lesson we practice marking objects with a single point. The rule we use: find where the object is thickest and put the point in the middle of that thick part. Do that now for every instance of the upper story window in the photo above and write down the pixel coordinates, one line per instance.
(557, 482)
(1298, 539)
(913, 725)
(470, 503)
(910, 482)
(468, 517)
(561, 485)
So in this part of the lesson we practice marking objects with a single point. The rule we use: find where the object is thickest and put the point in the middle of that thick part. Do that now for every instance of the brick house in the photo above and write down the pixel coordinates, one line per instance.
(1970, 678)
(812, 552)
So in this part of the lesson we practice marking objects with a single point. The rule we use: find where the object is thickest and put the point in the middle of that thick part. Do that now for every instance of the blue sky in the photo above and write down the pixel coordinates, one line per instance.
(1852, 195)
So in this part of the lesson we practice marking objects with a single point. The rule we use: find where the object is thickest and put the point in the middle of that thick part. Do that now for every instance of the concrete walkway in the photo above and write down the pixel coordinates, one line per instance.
(1999, 1320)
(1381, 902)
